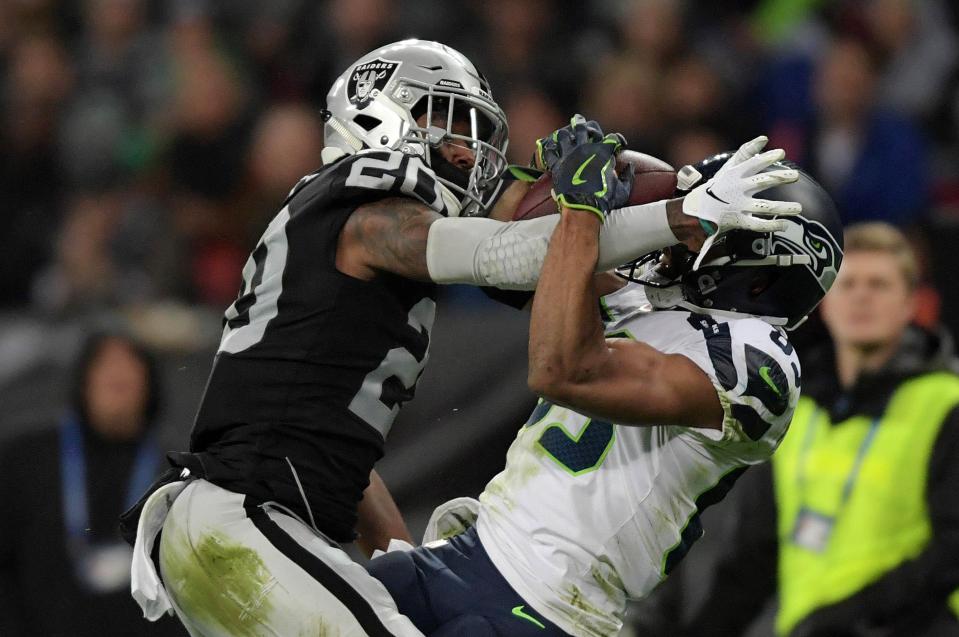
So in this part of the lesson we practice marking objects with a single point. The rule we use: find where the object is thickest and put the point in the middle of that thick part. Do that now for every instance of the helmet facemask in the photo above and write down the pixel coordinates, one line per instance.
(744, 265)
(445, 115)
(778, 277)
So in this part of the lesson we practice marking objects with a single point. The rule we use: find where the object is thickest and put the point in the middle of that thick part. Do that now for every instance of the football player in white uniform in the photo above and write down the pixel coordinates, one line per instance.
(651, 407)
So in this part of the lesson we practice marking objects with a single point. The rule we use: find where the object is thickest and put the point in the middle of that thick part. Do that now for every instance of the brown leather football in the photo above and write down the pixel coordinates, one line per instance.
(654, 180)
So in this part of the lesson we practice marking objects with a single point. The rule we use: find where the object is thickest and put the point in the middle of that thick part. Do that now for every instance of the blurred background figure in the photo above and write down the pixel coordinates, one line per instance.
(35, 85)
(530, 110)
(286, 145)
(857, 520)
(918, 49)
(874, 161)
(63, 568)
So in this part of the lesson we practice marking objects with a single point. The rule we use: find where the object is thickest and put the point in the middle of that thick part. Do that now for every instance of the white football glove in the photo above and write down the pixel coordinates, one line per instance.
(726, 201)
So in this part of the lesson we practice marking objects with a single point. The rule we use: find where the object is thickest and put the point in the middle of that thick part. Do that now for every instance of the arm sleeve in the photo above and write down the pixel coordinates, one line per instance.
(510, 255)
(745, 574)
(915, 592)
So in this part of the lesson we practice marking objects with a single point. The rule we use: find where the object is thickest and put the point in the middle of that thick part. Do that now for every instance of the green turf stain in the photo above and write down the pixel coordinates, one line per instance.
(497, 489)
(608, 580)
(576, 600)
(218, 582)
(454, 525)
(316, 627)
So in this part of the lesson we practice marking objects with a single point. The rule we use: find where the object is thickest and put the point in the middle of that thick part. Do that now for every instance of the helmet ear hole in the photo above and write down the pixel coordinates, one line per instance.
(419, 109)
(367, 122)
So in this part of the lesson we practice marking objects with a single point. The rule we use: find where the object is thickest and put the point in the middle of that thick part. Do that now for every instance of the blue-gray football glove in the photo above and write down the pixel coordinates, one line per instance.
(550, 149)
(585, 178)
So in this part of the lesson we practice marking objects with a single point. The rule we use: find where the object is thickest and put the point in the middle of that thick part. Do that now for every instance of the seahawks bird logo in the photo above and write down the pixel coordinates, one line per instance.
(369, 77)
(805, 236)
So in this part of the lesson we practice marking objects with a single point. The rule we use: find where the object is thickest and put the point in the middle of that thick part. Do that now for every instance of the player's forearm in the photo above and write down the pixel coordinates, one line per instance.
(632, 232)
(566, 335)
(379, 519)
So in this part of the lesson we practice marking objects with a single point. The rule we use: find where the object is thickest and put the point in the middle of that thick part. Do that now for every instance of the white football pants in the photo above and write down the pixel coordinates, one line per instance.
(235, 569)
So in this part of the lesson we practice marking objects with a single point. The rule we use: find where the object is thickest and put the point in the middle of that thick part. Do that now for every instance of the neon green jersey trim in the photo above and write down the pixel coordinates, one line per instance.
(594, 466)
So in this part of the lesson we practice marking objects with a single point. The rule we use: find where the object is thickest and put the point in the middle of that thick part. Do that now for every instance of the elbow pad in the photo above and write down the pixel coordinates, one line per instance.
(510, 255)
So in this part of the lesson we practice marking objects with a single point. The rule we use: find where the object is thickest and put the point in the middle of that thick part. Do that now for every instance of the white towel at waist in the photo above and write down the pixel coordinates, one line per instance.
(145, 584)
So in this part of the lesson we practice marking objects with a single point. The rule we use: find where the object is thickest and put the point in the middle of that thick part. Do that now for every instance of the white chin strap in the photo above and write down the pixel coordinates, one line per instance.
(665, 298)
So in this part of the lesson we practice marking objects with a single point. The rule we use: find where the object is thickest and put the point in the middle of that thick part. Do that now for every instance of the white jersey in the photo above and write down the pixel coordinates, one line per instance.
(588, 513)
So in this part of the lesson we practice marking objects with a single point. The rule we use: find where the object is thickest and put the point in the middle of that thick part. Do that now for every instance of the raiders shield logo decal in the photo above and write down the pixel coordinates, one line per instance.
(368, 77)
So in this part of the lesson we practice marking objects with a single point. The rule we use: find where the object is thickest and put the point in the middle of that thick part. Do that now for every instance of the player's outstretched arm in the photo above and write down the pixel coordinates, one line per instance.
(405, 237)
(633, 231)
(572, 363)
(570, 360)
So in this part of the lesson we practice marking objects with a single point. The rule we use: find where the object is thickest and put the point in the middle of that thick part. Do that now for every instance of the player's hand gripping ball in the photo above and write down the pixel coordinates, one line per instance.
(549, 150)
(653, 180)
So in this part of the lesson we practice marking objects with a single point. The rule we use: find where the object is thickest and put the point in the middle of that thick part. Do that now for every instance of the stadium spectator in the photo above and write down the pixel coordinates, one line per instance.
(861, 505)
(136, 135)
(286, 145)
(873, 161)
(63, 568)
(531, 111)
(112, 250)
(652, 30)
(690, 145)
(213, 119)
(527, 44)
(35, 85)
(623, 95)
(919, 52)
(692, 92)
(112, 126)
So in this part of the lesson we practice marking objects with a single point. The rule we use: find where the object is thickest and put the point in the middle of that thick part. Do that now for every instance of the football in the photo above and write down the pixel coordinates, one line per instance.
(654, 180)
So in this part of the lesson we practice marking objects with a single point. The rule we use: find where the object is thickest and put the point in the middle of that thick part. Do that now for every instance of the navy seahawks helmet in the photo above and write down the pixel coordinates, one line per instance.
(779, 277)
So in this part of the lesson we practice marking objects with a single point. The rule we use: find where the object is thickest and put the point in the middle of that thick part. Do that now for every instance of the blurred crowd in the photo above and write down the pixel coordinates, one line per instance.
(144, 144)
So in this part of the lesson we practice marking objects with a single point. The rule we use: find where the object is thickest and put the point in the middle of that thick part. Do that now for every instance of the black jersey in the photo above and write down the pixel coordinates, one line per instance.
(313, 364)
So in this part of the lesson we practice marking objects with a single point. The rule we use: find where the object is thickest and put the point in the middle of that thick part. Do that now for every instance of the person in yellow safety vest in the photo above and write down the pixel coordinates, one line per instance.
(866, 481)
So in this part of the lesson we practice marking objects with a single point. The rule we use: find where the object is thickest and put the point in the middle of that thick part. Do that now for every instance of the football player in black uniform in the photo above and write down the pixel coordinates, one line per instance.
(326, 341)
